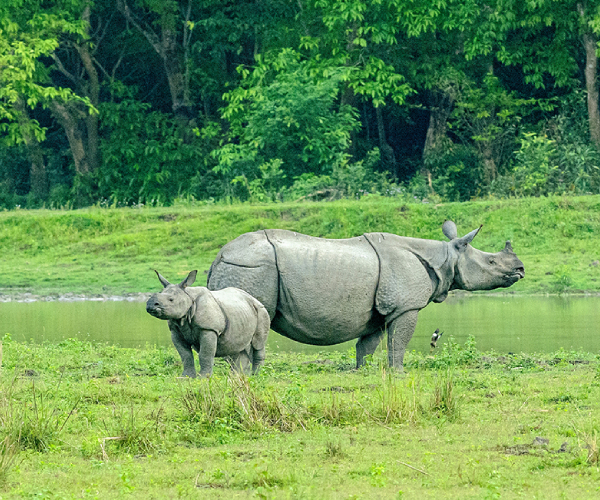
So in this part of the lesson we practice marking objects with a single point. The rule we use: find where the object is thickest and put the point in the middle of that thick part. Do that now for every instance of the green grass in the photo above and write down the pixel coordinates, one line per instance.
(113, 251)
(83, 420)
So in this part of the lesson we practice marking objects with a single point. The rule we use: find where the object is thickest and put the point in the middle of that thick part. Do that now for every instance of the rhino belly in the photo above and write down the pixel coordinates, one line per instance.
(326, 288)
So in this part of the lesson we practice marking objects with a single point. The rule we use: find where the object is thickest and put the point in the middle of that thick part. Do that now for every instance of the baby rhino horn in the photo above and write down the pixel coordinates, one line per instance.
(508, 247)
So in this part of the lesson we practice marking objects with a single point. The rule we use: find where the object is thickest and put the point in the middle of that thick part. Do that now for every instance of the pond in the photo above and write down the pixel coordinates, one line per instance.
(503, 323)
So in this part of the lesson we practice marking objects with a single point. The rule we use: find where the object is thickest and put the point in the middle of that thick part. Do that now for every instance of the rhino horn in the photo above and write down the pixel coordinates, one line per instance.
(461, 243)
(189, 280)
(508, 248)
(449, 229)
(162, 279)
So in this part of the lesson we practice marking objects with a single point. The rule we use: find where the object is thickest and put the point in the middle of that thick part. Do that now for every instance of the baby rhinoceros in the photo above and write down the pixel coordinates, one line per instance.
(225, 323)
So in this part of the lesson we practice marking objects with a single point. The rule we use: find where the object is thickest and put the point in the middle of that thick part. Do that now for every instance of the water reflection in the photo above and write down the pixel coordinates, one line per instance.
(506, 324)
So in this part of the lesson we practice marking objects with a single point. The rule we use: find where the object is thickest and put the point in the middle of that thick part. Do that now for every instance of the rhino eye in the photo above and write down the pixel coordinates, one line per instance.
(492, 260)
(171, 299)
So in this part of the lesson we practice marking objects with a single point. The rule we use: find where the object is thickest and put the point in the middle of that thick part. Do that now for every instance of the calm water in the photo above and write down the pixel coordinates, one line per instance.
(506, 324)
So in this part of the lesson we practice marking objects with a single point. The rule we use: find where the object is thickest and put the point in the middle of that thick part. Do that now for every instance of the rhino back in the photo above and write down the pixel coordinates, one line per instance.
(326, 288)
(248, 263)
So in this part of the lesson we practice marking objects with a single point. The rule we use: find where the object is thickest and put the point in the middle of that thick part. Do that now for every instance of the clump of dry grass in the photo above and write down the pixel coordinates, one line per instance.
(593, 448)
(444, 401)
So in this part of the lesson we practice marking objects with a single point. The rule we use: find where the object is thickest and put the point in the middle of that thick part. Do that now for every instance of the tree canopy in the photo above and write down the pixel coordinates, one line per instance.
(148, 101)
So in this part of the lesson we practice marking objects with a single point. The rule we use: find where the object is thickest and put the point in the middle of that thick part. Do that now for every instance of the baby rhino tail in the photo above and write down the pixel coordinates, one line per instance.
(259, 340)
(263, 325)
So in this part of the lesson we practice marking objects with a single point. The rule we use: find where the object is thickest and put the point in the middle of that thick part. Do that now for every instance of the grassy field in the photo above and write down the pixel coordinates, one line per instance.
(82, 420)
(85, 420)
(113, 251)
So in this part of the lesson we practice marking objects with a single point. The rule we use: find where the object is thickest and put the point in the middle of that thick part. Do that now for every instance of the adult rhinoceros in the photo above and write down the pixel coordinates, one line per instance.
(324, 291)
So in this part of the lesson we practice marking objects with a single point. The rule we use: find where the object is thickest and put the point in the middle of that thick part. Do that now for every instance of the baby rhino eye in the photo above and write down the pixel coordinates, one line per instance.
(171, 299)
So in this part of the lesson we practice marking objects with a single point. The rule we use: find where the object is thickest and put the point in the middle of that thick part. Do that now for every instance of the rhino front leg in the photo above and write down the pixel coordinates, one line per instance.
(207, 351)
(366, 346)
(186, 355)
(400, 331)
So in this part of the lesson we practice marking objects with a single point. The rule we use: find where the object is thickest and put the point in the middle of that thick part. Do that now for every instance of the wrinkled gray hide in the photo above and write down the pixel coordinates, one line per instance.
(323, 292)
(226, 323)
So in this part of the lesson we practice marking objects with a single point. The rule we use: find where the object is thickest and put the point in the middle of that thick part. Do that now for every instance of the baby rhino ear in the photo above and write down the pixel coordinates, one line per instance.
(162, 279)
(189, 280)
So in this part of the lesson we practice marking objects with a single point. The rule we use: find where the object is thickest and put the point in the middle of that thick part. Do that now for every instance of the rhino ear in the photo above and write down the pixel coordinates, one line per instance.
(162, 279)
(508, 248)
(449, 229)
(461, 243)
(189, 280)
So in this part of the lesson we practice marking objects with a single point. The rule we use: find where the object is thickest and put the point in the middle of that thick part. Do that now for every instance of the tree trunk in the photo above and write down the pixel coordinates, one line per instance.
(175, 70)
(71, 118)
(38, 177)
(173, 55)
(438, 123)
(91, 88)
(590, 44)
(436, 131)
(388, 158)
(489, 161)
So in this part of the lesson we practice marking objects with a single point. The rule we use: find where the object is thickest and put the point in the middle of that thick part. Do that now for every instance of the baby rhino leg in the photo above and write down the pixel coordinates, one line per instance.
(207, 351)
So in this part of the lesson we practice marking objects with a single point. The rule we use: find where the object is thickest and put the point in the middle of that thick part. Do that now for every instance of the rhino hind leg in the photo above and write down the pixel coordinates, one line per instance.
(366, 346)
(240, 363)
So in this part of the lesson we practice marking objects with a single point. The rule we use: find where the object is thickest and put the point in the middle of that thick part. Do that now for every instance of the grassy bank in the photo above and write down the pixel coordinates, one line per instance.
(83, 420)
(114, 250)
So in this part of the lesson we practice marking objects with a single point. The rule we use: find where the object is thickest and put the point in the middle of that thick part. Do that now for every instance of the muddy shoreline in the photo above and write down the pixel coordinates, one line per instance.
(73, 297)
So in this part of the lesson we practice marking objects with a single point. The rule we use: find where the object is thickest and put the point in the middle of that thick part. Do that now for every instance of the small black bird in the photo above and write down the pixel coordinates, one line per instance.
(435, 337)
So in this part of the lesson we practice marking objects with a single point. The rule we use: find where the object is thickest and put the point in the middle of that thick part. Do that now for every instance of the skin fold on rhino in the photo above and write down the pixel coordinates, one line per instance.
(227, 323)
(323, 291)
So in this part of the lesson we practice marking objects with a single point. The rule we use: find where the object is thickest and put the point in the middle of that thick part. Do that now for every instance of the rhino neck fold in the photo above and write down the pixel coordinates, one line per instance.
(189, 315)
(441, 278)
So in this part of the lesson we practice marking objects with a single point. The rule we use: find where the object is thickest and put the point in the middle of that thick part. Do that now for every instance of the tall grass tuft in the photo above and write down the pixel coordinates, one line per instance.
(444, 401)
(131, 433)
(35, 423)
(399, 399)
(205, 401)
(593, 448)
(257, 411)
(235, 401)
(9, 453)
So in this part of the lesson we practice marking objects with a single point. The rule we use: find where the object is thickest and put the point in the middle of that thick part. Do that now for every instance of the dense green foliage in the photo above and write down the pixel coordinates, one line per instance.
(153, 101)
(86, 420)
(115, 250)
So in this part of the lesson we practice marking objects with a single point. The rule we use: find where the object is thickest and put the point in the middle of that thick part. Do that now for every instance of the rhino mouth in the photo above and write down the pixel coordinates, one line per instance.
(517, 274)
(155, 311)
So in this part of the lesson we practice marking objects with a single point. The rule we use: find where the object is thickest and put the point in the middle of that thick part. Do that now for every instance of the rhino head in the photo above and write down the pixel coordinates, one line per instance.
(173, 302)
(477, 270)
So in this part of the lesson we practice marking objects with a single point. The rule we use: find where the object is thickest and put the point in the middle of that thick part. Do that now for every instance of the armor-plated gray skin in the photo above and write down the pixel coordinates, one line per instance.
(226, 323)
(324, 292)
